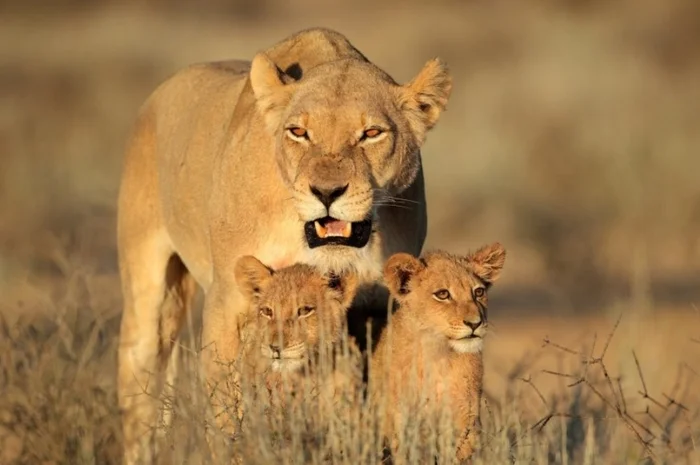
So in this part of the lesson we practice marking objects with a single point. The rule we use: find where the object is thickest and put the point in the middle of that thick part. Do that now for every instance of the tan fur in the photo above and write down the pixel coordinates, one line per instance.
(212, 173)
(293, 327)
(429, 352)
(296, 312)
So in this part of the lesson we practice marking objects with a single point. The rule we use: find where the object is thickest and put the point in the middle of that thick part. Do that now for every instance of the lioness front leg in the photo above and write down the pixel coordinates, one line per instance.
(139, 382)
(157, 293)
(220, 350)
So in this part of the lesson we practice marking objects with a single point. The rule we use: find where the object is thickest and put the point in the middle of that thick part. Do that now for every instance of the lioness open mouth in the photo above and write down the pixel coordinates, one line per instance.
(330, 231)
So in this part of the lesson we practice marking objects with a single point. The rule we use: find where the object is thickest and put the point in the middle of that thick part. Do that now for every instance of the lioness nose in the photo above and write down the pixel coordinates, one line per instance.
(328, 195)
(473, 324)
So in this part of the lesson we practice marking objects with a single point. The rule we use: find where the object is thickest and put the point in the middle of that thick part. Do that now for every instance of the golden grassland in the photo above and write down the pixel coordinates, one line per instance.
(571, 137)
(594, 389)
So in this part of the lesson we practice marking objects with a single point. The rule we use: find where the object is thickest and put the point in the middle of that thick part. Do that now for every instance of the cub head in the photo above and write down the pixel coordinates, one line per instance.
(346, 137)
(447, 293)
(293, 312)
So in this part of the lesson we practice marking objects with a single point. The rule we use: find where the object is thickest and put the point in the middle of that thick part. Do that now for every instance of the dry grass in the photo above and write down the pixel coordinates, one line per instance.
(555, 393)
(571, 137)
(571, 129)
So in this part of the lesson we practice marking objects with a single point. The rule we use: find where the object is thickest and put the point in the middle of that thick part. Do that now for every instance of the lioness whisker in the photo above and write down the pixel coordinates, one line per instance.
(390, 198)
(389, 205)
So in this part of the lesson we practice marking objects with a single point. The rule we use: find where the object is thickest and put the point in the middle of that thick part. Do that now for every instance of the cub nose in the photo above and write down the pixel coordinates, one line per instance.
(328, 194)
(473, 324)
(275, 350)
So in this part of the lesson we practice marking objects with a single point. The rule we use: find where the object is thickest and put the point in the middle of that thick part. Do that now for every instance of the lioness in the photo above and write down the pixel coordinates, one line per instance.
(308, 154)
(430, 357)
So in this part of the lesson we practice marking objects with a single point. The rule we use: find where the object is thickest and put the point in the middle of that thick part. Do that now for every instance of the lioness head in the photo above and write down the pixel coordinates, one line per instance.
(347, 135)
(446, 292)
(294, 311)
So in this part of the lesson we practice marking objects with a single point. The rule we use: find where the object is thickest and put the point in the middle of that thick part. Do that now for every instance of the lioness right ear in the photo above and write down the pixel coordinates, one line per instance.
(425, 97)
(271, 93)
(398, 272)
(251, 275)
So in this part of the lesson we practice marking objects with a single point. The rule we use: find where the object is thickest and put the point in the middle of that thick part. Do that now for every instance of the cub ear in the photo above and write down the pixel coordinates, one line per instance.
(425, 97)
(344, 286)
(488, 262)
(398, 272)
(271, 92)
(251, 276)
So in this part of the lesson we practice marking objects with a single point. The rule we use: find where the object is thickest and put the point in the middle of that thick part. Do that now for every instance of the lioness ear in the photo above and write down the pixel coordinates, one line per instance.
(426, 96)
(251, 275)
(344, 285)
(271, 93)
(398, 272)
(488, 261)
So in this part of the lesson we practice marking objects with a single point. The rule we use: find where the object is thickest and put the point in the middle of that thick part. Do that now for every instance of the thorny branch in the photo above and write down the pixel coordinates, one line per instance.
(616, 400)
(528, 380)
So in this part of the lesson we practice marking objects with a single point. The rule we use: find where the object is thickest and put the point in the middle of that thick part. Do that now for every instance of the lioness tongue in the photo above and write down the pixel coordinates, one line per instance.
(333, 228)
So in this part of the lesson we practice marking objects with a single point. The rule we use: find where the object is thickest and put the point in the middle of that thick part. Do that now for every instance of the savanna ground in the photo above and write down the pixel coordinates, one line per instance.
(571, 137)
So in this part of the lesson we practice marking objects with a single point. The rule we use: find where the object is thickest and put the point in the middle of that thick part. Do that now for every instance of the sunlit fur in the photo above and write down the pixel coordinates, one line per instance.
(293, 314)
(432, 346)
(334, 150)
(210, 174)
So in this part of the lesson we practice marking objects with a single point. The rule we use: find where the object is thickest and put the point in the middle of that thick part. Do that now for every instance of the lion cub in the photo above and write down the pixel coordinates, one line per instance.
(430, 354)
(295, 315)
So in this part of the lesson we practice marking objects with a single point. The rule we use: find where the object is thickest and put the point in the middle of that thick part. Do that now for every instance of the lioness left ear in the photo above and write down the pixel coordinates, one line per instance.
(488, 262)
(271, 93)
(426, 96)
(344, 285)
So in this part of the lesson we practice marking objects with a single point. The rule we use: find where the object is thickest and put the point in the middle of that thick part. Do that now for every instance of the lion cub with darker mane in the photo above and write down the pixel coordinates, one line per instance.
(428, 363)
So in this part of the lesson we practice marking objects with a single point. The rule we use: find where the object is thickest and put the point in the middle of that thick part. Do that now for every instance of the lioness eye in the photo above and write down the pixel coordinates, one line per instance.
(298, 132)
(371, 133)
(266, 312)
(305, 311)
(442, 294)
(479, 292)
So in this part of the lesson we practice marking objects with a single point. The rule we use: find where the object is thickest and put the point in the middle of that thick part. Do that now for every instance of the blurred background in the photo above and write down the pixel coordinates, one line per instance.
(572, 137)
(572, 134)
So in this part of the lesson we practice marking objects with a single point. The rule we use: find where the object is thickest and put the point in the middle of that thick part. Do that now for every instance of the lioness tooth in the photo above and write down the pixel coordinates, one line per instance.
(347, 230)
(320, 230)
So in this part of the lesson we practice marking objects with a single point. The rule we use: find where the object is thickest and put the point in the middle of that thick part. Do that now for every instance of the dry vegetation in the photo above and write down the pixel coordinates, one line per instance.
(571, 137)
(549, 399)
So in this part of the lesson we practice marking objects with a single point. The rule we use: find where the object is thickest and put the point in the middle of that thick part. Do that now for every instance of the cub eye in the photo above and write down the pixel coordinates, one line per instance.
(266, 312)
(305, 311)
(479, 292)
(371, 133)
(298, 132)
(442, 294)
